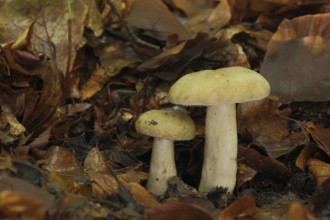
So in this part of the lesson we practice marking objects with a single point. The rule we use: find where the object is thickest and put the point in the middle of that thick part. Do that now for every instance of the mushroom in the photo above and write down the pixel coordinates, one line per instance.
(166, 126)
(219, 90)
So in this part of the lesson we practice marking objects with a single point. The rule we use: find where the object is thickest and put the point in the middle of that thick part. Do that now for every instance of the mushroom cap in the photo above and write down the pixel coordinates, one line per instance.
(214, 87)
(167, 124)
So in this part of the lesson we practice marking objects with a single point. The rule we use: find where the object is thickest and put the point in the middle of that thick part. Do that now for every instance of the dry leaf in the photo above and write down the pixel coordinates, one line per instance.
(320, 135)
(103, 185)
(155, 19)
(264, 164)
(319, 169)
(177, 210)
(258, 119)
(50, 20)
(64, 163)
(15, 205)
(297, 211)
(305, 155)
(95, 161)
(242, 207)
(94, 84)
(321, 201)
(141, 195)
(297, 59)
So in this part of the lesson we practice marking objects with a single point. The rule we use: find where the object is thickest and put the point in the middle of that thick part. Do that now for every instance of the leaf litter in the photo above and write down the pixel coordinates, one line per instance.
(74, 79)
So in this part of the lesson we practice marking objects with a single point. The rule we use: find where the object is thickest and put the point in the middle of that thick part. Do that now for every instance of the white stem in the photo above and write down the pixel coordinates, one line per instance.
(162, 166)
(220, 152)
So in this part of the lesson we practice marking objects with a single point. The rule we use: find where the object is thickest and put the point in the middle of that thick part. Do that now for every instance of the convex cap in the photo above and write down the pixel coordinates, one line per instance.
(214, 87)
(167, 124)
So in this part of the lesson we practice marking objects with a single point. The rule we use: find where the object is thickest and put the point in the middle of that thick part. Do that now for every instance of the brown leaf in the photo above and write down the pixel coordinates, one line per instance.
(321, 201)
(297, 211)
(95, 161)
(244, 174)
(264, 164)
(15, 205)
(177, 210)
(50, 26)
(168, 65)
(242, 207)
(61, 161)
(94, 84)
(41, 116)
(319, 169)
(191, 8)
(141, 195)
(296, 62)
(156, 20)
(20, 199)
(211, 18)
(320, 136)
(305, 155)
(103, 185)
(258, 119)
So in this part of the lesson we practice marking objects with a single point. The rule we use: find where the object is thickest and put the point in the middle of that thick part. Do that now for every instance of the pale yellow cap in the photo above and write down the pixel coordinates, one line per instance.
(214, 87)
(167, 124)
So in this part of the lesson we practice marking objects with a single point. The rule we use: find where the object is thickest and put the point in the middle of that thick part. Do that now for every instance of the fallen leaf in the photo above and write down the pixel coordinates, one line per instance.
(177, 210)
(95, 161)
(50, 26)
(259, 120)
(141, 195)
(155, 19)
(242, 207)
(15, 205)
(297, 211)
(296, 62)
(94, 84)
(320, 136)
(264, 164)
(210, 19)
(321, 201)
(319, 169)
(305, 155)
(63, 162)
(244, 174)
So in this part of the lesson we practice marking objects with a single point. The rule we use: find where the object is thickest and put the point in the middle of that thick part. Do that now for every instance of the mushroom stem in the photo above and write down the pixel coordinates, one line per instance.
(220, 152)
(162, 165)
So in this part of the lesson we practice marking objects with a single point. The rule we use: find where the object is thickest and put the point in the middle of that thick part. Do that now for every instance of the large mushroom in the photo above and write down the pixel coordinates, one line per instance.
(166, 126)
(219, 90)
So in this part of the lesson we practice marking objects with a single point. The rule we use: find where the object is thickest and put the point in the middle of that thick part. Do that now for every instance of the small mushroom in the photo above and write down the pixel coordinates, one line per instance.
(219, 90)
(166, 126)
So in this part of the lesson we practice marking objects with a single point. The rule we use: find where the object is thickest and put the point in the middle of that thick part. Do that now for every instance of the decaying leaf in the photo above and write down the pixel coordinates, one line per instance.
(50, 20)
(14, 205)
(155, 19)
(210, 19)
(321, 201)
(258, 119)
(264, 164)
(320, 135)
(296, 63)
(141, 195)
(169, 64)
(177, 210)
(21, 199)
(242, 207)
(94, 84)
(319, 169)
(305, 155)
(64, 163)
(297, 211)
(95, 161)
